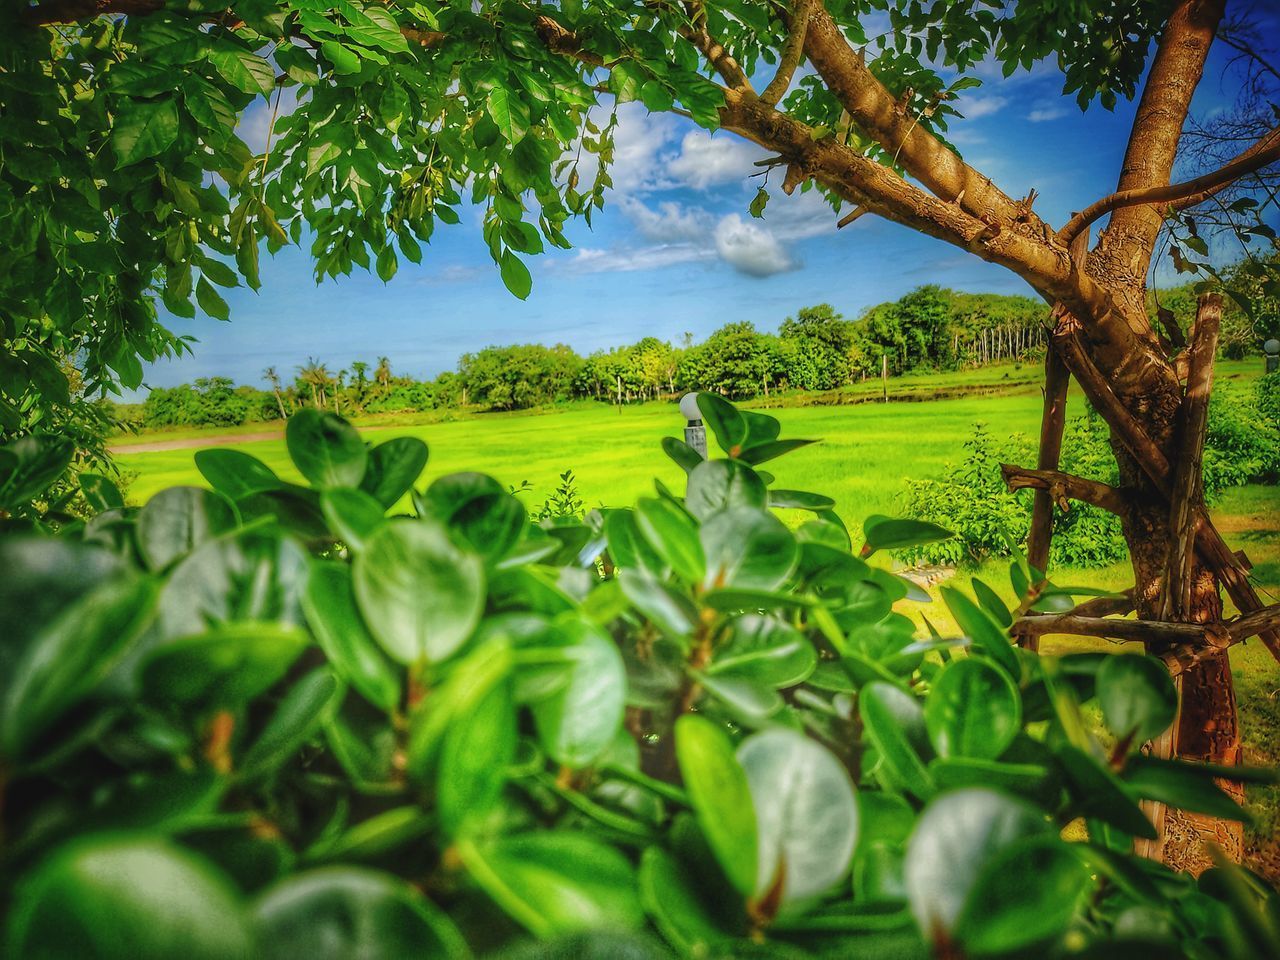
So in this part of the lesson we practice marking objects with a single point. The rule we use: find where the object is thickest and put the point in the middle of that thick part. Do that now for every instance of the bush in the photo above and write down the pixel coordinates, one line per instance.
(267, 720)
(1241, 446)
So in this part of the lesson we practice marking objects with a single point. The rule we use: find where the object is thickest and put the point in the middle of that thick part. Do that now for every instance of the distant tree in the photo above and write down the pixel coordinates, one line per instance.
(273, 378)
(819, 347)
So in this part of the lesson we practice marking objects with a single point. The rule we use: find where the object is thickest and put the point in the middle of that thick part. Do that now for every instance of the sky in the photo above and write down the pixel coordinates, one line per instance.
(675, 250)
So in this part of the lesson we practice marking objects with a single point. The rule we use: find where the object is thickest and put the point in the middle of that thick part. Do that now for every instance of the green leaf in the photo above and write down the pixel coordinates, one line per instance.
(671, 897)
(352, 514)
(673, 535)
(100, 493)
(386, 263)
(177, 520)
(478, 747)
(394, 467)
(747, 549)
(799, 500)
(672, 612)
(515, 275)
(225, 666)
(1176, 784)
(1137, 696)
(556, 882)
(336, 913)
(1030, 892)
(144, 129)
(718, 484)
(725, 421)
(758, 203)
(326, 449)
(764, 650)
(721, 797)
(70, 656)
(973, 710)
(121, 897)
(985, 633)
(894, 720)
(956, 838)
(684, 455)
(887, 533)
(478, 513)
(806, 813)
(235, 474)
(420, 595)
(343, 59)
(330, 606)
(511, 117)
(307, 704)
(211, 301)
(579, 721)
(243, 70)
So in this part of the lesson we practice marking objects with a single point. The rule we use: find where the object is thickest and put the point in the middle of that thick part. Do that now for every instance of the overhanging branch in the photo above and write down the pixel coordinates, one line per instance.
(792, 53)
(1179, 195)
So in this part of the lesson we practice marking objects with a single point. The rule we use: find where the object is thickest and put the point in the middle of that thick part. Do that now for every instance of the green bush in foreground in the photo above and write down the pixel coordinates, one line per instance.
(267, 720)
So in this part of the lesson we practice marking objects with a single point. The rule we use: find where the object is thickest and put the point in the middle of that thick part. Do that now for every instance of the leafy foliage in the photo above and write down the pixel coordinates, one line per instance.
(283, 722)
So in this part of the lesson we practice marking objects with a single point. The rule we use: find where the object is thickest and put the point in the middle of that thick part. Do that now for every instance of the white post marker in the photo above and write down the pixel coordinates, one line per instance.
(695, 434)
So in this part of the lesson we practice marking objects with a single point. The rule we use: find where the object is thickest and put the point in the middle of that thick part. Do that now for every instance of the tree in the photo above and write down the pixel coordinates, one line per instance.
(818, 345)
(120, 189)
(273, 378)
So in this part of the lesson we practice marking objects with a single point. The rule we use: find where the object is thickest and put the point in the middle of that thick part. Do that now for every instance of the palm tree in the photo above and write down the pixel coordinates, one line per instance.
(273, 378)
(383, 374)
(315, 376)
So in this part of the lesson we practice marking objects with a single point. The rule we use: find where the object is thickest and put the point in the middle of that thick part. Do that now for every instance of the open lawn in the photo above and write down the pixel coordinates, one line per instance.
(867, 451)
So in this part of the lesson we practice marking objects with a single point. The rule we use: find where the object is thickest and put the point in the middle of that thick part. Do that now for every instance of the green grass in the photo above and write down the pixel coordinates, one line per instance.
(867, 452)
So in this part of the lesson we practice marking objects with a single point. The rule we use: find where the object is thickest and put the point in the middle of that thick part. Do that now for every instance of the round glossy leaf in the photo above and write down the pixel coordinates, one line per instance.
(888, 533)
(235, 474)
(764, 650)
(337, 913)
(721, 797)
(673, 535)
(70, 657)
(1030, 892)
(746, 701)
(747, 549)
(717, 484)
(394, 467)
(420, 595)
(479, 745)
(580, 719)
(177, 520)
(973, 710)
(1137, 696)
(326, 449)
(894, 722)
(352, 515)
(116, 897)
(478, 512)
(670, 610)
(806, 813)
(330, 605)
(557, 882)
(100, 493)
(227, 665)
(955, 839)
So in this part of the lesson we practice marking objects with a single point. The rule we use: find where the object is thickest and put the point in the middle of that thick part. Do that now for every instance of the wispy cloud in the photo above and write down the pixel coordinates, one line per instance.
(975, 108)
(706, 161)
(1047, 114)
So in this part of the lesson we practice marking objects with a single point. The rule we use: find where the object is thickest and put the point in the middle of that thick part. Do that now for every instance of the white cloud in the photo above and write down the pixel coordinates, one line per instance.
(974, 108)
(628, 259)
(751, 249)
(668, 223)
(1045, 114)
(706, 161)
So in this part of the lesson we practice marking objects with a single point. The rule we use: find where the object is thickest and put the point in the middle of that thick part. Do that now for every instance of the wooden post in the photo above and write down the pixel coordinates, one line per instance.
(1188, 463)
(884, 375)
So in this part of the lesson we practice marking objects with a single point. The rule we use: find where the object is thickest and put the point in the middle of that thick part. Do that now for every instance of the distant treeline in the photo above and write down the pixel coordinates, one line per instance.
(931, 328)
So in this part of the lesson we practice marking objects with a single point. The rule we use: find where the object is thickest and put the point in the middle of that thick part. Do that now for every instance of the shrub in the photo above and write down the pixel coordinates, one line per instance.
(268, 720)
(1241, 446)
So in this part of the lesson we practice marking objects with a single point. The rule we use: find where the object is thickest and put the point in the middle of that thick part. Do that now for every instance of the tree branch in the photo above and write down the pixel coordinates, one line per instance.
(1063, 487)
(792, 53)
(1188, 473)
(880, 114)
(711, 48)
(1179, 195)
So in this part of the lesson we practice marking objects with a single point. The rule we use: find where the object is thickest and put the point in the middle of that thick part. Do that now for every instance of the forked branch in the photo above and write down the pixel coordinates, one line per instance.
(1179, 195)
(1065, 487)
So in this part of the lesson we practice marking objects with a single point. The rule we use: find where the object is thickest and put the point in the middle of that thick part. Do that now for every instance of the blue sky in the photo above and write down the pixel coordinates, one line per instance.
(674, 251)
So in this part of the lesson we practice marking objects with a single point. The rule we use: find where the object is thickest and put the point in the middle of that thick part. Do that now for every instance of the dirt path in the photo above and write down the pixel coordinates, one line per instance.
(186, 443)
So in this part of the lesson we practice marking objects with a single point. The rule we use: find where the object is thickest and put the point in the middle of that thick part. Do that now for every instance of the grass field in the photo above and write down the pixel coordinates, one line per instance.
(867, 451)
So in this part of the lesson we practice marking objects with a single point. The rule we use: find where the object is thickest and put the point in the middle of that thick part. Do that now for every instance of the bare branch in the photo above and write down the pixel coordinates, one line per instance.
(1179, 195)
(792, 53)
(1189, 471)
(1052, 423)
(1064, 487)
(711, 48)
